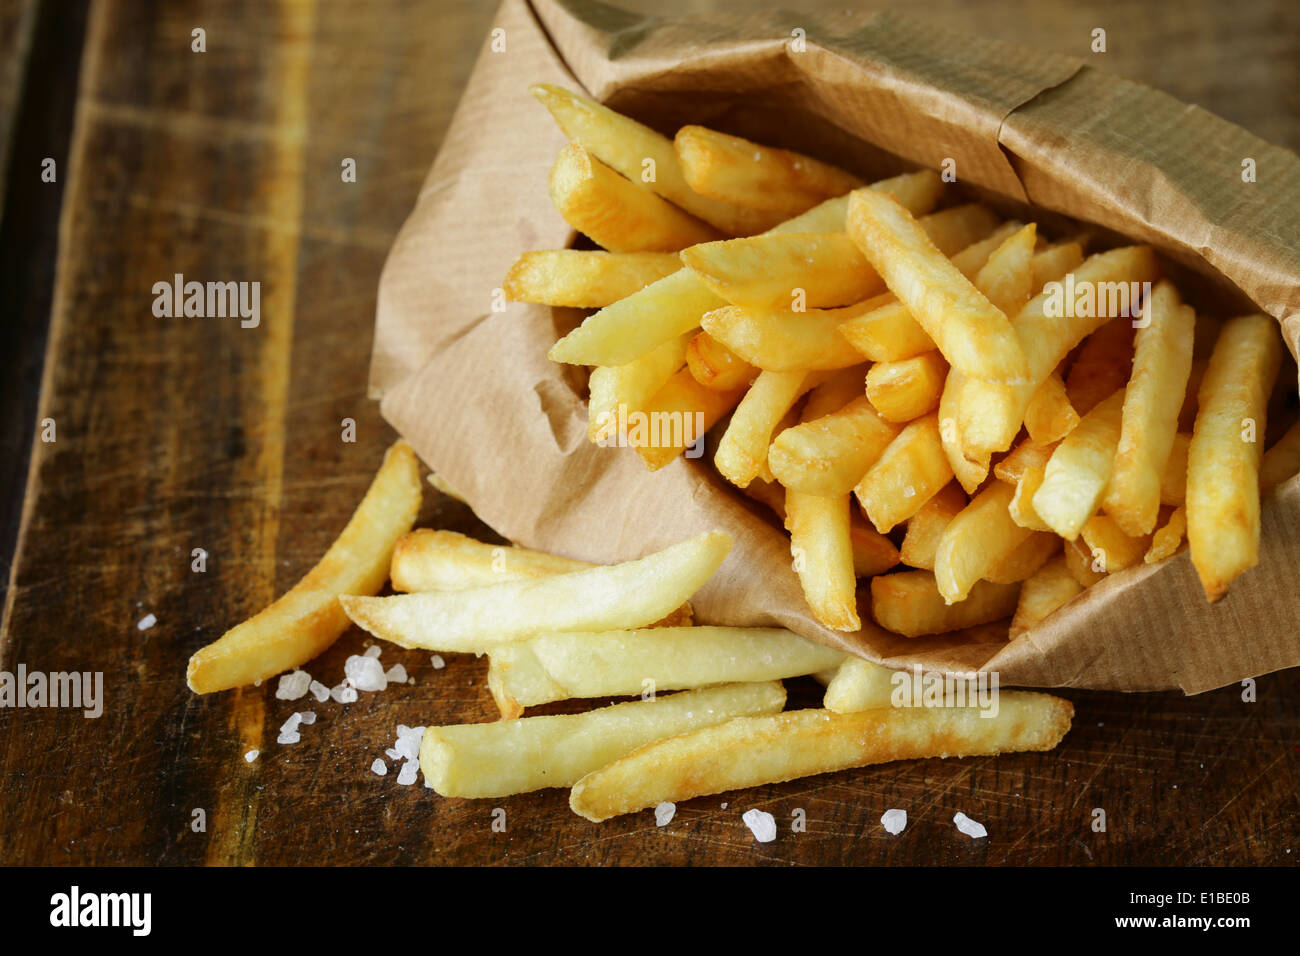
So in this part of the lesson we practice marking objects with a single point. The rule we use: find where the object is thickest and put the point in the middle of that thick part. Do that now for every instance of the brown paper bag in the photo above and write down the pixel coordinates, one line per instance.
(473, 391)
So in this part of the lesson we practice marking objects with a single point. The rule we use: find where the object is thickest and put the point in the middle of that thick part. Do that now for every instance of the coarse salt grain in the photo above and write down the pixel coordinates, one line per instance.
(969, 827)
(251, 755)
(406, 776)
(319, 691)
(146, 622)
(308, 716)
(438, 662)
(409, 740)
(379, 767)
(293, 685)
(374, 650)
(762, 824)
(290, 725)
(664, 813)
(365, 673)
(392, 753)
(396, 674)
(344, 694)
(894, 821)
(288, 737)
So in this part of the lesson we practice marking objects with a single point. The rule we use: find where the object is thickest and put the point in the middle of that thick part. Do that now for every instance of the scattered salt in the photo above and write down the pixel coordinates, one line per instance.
(288, 737)
(291, 725)
(392, 753)
(251, 755)
(293, 685)
(438, 662)
(146, 622)
(344, 694)
(894, 821)
(396, 674)
(762, 824)
(406, 776)
(379, 767)
(319, 691)
(969, 827)
(308, 716)
(374, 650)
(409, 740)
(664, 813)
(365, 673)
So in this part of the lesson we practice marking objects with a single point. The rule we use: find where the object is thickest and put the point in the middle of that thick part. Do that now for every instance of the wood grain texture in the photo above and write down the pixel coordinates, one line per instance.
(175, 434)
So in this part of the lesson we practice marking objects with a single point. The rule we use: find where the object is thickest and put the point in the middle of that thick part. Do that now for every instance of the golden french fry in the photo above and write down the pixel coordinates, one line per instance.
(583, 279)
(553, 667)
(715, 366)
(1162, 361)
(1007, 278)
(1168, 538)
(785, 341)
(1021, 508)
(1099, 290)
(860, 685)
(1049, 416)
(970, 473)
(909, 603)
(1024, 562)
(823, 557)
(926, 527)
(873, 553)
(676, 418)
(628, 595)
(1173, 483)
(1110, 546)
(738, 171)
(785, 271)
(911, 469)
(1083, 566)
(1025, 456)
(630, 386)
(615, 212)
(517, 756)
(751, 752)
(624, 145)
(1224, 457)
(828, 455)
(621, 332)
(429, 560)
(742, 451)
(1104, 363)
(1055, 261)
(1077, 473)
(976, 541)
(1281, 461)
(838, 390)
(970, 331)
(307, 619)
(907, 389)
(1050, 587)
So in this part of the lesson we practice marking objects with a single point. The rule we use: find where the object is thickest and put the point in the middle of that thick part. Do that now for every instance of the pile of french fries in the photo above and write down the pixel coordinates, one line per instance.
(854, 345)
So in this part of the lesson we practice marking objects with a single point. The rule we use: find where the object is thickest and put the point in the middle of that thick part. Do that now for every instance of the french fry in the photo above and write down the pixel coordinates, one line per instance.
(926, 527)
(968, 329)
(1223, 459)
(873, 553)
(782, 270)
(738, 171)
(1055, 261)
(1110, 545)
(678, 416)
(1083, 566)
(1168, 538)
(1049, 588)
(564, 666)
(767, 493)
(1021, 507)
(715, 366)
(624, 145)
(1049, 416)
(615, 212)
(976, 541)
(1281, 461)
(307, 619)
(909, 603)
(909, 388)
(583, 279)
(631, 386)
(785, 341)
(970, 473)
(1025, 456)
(518, 756)
(1173, 483)
(621, 332)
(911, 469)
(1007, 278)
(1104, 362)
(991, 414)
(828, 455)
(1024, 562)
(742, 450)
(838, 390)
(1162, 361)
(629, 595)
(429, 560)
(823, 557)
(752, 752)
(1077, 473)
(859, 685)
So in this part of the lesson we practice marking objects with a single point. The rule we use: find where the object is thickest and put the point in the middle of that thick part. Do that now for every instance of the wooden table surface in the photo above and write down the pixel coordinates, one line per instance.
(177, 434)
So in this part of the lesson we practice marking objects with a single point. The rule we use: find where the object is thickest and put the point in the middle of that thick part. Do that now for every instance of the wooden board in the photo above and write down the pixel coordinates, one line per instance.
(176, 434)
